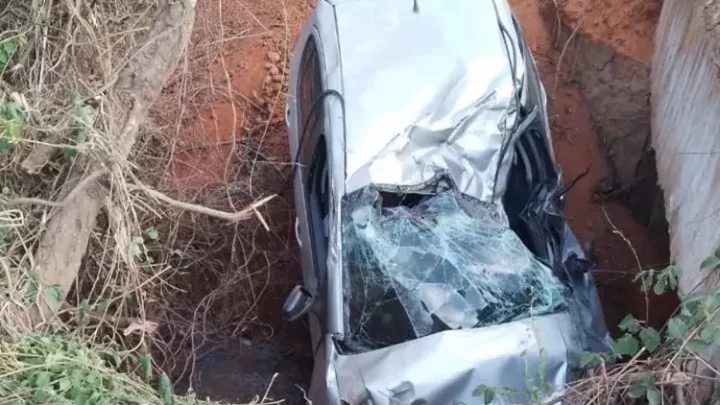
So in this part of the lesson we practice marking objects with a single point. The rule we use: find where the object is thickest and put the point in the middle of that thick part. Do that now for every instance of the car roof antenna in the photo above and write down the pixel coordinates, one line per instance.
(416, 8)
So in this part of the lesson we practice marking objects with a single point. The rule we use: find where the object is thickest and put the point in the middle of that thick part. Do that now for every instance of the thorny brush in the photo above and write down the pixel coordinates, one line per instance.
(155, 279)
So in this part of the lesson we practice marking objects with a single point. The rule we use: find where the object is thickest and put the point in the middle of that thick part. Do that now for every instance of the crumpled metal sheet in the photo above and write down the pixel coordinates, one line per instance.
(519, 360)
(428, 91)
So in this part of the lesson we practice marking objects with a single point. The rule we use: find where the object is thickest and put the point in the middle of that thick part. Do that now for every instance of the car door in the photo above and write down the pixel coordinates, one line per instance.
(313, 202)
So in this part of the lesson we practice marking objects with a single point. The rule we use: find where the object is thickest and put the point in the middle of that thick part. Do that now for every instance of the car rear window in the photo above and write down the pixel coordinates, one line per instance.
(420, 264)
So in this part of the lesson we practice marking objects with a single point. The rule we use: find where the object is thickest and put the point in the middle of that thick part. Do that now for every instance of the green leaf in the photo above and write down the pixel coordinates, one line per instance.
(479, 391)
(588, 359)
(138, 245)
(661, 284)
(146, 366)
(708, 333)
(637, 390)
(81, 397)
(69, 153)
(677, 328)
(629, 324)
(76, 378)
(674, 276)
(92, 377)
(54, 296)
(4, 146)
(646, 280)
(13, 111)
(487, 393)
(7, 47)
(653, 396)
(489, 396)
(12, 131)
(627, 346)
(40, 395)
(711, 263)
(42, 380)
(102, 305)
(131, 301)
(152, 233)
(696, 345)
(83, 114)
(650, 339)
(166, 389)
(65, 385)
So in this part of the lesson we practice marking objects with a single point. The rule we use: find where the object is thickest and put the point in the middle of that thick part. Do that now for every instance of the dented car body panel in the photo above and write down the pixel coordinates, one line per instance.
(435, 256)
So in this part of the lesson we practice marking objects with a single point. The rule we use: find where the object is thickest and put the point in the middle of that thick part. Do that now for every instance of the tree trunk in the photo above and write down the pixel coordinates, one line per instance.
(64, 242)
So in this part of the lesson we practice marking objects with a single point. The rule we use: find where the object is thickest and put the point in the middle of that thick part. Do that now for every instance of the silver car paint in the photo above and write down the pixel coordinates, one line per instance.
(438, 121)
(447, 367)
(427, 91)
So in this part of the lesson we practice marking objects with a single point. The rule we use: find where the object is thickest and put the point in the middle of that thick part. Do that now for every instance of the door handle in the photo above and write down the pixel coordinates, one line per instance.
(297, 231)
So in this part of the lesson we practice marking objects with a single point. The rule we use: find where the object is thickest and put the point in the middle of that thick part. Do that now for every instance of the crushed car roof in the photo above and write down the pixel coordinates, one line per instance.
(428, 90)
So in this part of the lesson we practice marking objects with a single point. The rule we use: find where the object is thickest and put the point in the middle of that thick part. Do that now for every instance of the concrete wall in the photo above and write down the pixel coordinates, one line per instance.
(686, 130)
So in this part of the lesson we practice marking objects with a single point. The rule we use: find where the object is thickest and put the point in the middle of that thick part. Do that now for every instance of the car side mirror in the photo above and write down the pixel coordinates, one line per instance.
(297, 304)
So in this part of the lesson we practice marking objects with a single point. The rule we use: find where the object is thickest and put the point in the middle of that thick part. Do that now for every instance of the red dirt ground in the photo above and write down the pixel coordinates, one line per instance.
(618, 253)
(628, 26)
(223, 114)
(231, 91)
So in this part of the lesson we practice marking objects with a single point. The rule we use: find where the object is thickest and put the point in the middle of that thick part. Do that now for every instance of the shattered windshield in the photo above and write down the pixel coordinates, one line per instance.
(416, 265)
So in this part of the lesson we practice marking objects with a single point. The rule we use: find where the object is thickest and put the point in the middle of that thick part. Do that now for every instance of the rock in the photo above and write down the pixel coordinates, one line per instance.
(269, 66)
(274, 71)
(273, 57)
(278, 78)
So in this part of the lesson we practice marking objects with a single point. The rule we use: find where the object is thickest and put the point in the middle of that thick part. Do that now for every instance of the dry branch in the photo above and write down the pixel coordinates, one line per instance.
(242, 215)
(139, 82)
(58, 204)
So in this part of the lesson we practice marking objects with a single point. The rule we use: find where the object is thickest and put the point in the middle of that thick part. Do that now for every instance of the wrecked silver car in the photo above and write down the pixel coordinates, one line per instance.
(436, 261)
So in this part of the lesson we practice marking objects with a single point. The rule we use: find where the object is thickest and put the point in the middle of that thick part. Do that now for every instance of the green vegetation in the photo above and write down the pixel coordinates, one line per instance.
(12, 118)
(54, 369)
(645, 364)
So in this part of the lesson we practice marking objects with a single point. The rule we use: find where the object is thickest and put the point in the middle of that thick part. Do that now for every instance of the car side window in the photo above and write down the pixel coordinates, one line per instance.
(318, 206)
(309, 89)
(314, 155)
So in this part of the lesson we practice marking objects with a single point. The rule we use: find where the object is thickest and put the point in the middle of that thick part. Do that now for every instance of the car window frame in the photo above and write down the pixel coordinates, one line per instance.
(314, 156)
(309, 74)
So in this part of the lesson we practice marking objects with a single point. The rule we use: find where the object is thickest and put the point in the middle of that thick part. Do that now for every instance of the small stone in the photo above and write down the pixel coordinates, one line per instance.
(269, 66)
(278, 78)
(273, 57)
(274, 70)
(267, 80)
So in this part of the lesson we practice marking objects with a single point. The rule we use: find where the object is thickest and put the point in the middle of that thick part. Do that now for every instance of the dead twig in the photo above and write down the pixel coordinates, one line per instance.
(560, 60)
(242, 215)
(619, 233)
(58, 204)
